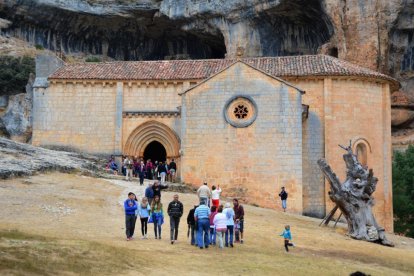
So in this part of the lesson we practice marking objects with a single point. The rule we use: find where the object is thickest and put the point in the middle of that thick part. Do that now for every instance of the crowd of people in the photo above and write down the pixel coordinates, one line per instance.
(134, 167)
(210, 223)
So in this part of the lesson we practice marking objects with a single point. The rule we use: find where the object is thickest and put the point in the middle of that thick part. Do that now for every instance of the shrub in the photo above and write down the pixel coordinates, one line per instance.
(39, 47)
(403, 191)
(14, 74)
(93, 59)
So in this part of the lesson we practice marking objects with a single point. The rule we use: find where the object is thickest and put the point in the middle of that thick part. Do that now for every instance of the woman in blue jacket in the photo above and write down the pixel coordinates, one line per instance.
(130, 206)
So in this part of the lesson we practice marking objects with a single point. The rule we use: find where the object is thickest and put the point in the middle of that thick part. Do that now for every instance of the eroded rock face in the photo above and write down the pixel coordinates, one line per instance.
(143, 30)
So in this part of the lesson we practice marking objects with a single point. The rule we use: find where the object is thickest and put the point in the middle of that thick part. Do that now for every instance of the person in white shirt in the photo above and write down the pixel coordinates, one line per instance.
(204, 194)
(220, 222)
(215, 195)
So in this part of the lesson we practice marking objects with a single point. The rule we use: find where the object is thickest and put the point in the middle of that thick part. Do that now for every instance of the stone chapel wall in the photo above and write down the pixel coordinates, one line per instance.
(76, 115)
(253, 162)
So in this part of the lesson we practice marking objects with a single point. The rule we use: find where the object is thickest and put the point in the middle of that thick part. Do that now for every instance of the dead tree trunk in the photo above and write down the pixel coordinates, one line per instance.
(353, 197)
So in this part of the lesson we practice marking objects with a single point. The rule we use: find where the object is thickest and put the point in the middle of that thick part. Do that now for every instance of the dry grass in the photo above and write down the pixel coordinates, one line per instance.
(90, 240)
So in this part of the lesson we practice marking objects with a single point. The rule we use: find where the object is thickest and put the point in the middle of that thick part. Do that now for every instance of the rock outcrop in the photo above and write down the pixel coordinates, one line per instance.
(18, 159)
(375, 34)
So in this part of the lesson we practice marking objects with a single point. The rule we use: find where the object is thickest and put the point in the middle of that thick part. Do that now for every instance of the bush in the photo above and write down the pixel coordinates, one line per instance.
(93, 59)
(403, 192)
(39, 47)
(14, 74)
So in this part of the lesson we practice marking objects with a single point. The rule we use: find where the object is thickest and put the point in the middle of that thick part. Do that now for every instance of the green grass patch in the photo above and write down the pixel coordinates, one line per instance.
(23, 254)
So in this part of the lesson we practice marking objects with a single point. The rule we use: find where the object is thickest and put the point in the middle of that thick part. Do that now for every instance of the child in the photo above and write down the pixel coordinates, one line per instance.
(288, 237)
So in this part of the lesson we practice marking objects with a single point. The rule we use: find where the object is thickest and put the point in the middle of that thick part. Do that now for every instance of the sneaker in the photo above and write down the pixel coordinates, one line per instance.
(206, 247)
(128, 239)
(143, 237)
(293, 244)
(172, 242)
(231, 245)
(146, 237)
(227, 245)
(241, 241)
(201, 247)
(156, 237)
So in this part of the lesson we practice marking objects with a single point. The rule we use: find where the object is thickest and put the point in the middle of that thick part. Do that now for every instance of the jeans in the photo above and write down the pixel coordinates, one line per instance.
(212, 234)
(202, 234)
(144, 226)
(163, 174)
(284, 204)
(220, 236)
(229, 232)
(174, 222)
(193, 233)
(141, 178)
(130, 225)
(128, 175)
(157, 226)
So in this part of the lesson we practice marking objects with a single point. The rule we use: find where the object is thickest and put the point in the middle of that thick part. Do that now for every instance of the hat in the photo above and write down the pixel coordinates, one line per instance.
(227, 205)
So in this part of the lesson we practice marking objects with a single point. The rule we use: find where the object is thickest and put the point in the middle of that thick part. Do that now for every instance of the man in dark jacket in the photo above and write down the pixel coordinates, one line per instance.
(175, 211)
(149, 193)
(192, 224)
(157, 188)
(283, 196)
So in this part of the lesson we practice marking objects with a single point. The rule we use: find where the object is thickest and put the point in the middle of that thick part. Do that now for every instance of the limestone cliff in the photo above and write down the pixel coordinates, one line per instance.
(377, 34)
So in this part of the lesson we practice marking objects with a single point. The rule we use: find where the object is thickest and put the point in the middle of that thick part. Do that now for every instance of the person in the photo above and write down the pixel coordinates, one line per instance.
(173, 169)
(157, 215)
(143, 212)
(156, 173)
(135, 165)
(220, 223)
(149, 193)
(141, 172)
(162, 170)
(129, 166)
(113, 167)
(175, 211)
(212, 227)
(239, 218)
(229, 212)
(204, 194)
(123, 169)
(130, 206)
(157, 188)
(215, 195)
(283, 196)
(149, 167)
(201, 215)
(192, 225)
(287, 237)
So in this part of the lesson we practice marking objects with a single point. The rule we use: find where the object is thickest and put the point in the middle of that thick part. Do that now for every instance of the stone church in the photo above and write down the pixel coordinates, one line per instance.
(251, 125)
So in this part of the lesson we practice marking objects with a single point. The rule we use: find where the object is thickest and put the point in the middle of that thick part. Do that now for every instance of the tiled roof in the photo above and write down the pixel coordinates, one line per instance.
(288, 66)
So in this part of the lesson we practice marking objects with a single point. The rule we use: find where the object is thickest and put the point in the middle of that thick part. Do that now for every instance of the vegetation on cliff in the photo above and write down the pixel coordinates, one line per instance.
(14, 73)
(403, 192)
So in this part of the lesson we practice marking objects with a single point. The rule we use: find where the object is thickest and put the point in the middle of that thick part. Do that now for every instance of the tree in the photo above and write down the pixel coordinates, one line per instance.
(14, 74)
(354, 198)
(403, 191)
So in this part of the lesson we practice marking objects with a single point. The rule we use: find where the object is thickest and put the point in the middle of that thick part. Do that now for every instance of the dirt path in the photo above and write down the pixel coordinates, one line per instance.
(73, 214)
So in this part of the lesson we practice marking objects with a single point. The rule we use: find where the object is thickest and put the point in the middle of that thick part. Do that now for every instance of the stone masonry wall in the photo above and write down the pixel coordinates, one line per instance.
(251, 163)
(313, 147)
(78, 116)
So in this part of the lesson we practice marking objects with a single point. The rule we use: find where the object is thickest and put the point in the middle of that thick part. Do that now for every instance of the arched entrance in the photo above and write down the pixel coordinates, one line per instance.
(153, 138)
(155, 151)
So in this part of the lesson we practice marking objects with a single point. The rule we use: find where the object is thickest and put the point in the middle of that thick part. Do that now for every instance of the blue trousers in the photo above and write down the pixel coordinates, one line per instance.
(229, 232)
(203, 232)
(212, 235)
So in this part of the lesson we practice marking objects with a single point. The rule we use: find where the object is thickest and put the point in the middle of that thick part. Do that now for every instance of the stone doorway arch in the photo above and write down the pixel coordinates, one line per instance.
(149, 132)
